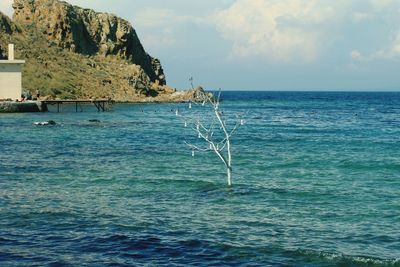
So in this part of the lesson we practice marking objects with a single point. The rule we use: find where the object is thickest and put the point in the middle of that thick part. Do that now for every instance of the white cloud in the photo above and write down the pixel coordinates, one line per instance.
(160, 18)
(154, 17)
(162, 26)
(301, 30)
(355, 55)
(283, 30)
(382, 11)
(5, 7)
(395, 49)
(154, 40)
(381, 5)
(361, 17)
(376, 8)
(391, 52)
(158, 25)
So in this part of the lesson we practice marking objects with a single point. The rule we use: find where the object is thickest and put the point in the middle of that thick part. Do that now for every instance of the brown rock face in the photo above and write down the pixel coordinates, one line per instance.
(87, 32)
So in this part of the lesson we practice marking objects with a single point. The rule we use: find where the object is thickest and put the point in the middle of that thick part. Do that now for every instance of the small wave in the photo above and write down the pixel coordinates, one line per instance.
(345, 260)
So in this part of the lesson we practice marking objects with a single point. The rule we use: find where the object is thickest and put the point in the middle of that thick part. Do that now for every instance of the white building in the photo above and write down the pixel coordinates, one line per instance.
(10, 76)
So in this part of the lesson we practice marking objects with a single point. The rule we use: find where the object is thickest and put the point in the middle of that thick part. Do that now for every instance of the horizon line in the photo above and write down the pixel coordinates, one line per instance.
(314, 90)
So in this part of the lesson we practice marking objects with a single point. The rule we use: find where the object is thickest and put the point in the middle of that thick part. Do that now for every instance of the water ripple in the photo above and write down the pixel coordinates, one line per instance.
(316, 182)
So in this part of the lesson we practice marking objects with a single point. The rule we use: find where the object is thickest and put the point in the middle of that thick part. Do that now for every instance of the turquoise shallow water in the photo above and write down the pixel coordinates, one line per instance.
(316, 183)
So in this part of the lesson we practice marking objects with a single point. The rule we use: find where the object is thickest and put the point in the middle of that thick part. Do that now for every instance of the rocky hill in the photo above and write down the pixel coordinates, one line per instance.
(72, 52)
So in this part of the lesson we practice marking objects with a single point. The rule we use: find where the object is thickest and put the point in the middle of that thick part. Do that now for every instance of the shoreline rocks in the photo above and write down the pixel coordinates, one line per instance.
(28, 106)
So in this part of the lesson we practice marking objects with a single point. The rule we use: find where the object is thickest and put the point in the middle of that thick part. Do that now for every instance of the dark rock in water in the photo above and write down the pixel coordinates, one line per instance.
(29, 106)
(97, 121)
(45, 123)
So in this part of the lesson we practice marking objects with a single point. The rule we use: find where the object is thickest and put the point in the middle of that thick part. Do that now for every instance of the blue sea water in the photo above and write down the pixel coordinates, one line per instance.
(316, 183)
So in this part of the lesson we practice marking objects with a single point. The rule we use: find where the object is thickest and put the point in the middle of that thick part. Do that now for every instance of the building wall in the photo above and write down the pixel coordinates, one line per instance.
(10, 81)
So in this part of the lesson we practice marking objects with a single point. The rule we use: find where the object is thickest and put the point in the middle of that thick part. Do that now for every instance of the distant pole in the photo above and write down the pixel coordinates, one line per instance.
(191, 82)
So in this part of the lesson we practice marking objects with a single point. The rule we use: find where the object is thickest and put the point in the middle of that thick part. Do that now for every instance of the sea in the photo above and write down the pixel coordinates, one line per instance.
(316, 182)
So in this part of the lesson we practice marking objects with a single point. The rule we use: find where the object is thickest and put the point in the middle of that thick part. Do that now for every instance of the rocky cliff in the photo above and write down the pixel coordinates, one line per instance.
(87, 32)
(72, 52)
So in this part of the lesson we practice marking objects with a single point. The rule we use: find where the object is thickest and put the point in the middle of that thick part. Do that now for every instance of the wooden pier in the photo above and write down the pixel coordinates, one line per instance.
(101, 104)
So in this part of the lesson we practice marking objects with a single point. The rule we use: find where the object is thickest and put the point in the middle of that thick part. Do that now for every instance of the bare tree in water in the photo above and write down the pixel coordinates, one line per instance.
(213, 128)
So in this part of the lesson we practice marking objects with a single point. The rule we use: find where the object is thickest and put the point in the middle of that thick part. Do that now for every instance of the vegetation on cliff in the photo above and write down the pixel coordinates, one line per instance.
(72, 52)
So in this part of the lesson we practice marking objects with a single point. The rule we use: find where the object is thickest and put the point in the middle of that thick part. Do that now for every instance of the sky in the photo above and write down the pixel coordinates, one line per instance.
(267, 44)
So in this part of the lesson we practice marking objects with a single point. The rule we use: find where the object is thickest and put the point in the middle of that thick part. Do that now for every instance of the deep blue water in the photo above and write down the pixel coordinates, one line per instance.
(316, 183)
